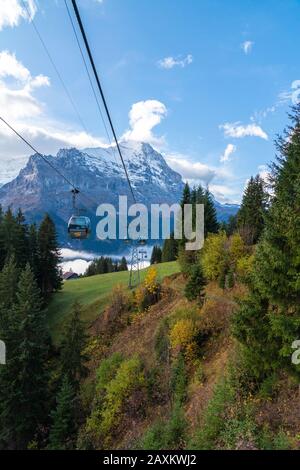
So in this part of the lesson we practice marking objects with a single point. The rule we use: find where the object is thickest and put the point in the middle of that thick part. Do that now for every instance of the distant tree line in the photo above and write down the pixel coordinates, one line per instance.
(104, 265)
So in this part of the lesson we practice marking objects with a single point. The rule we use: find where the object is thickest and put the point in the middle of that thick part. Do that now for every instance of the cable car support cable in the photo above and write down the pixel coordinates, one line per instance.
(89, 75)
(82, 30)
(38, 153)
(72, 102)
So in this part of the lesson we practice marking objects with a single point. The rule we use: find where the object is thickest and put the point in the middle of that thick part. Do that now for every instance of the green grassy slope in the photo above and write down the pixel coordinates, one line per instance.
(93, 294)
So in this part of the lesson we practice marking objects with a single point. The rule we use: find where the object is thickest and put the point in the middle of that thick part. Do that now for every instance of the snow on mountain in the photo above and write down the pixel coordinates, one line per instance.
(143, 163)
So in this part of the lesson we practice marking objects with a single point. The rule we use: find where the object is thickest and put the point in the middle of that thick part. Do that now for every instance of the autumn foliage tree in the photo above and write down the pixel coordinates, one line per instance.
(149, 292)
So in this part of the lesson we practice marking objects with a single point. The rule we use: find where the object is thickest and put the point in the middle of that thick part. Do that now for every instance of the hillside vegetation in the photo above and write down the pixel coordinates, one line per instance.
(203, 354)
(93, 294)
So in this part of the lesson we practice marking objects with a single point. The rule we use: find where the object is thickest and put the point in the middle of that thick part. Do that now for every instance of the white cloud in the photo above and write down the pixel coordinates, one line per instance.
(196, 172)
(12, 12)
(17, 104)
(69, 255)
(11, 67)
(16, 99)
(78, 266)
(190, 170)
(292, 95)
(259, 116)
(143, 117)
(171, 62)
(20, 107)
(230, 149)
(247, 46)
(238, 131)
(225, 194)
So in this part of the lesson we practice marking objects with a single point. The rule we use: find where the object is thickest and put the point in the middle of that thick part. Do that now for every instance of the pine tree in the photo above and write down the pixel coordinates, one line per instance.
(194, 289)
(9, 233)
(33, 256)
(200, 195)
(24, 388)
(21, 241)
(123, 264)
(156, 256)
(194, 196)
(170, 249)
(186, 199)
(63, 418)
(8, 283)
(251, 216)
(49, 275)
(74, 342)
(186, 196)
(9, 334)
(210, 215)
(269, 321)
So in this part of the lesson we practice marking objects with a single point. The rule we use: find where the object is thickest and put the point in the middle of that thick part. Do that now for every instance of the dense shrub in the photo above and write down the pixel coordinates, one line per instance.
(117, 378)
(182, 334)
(245, 268)
(170, 434)
(236, 249)
(186, 260)
(149, 292)
(107, 371)
(222, 257)
(179, 379)
(214, 318)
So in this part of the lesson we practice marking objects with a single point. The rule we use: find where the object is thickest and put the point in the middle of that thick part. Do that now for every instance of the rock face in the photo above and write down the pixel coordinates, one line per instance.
(99, 175)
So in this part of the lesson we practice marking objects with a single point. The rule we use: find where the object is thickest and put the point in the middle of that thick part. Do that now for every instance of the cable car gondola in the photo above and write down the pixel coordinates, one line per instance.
(79, 226)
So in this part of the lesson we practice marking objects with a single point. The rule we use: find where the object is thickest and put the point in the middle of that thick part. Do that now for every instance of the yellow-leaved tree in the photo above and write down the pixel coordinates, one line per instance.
(214, 256)
(149, 292)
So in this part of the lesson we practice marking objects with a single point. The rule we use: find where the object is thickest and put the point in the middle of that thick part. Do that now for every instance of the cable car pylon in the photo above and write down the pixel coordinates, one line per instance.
(134, 276)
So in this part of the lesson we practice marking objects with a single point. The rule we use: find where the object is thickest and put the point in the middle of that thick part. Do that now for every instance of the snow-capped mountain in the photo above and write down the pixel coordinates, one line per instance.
(100, 176)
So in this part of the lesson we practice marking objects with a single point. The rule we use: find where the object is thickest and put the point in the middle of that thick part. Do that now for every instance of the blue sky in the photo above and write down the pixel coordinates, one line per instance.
(207, 82)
